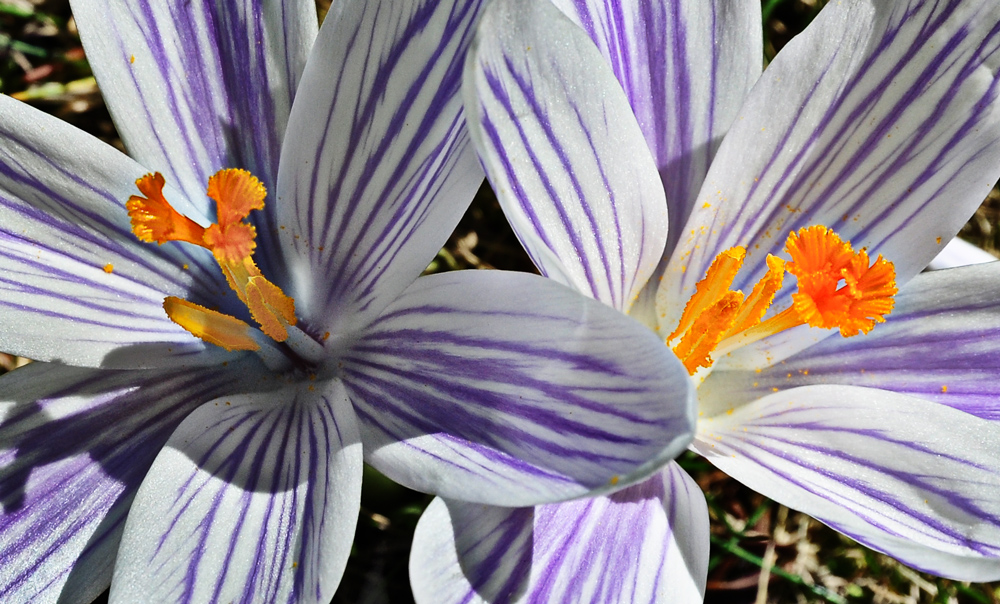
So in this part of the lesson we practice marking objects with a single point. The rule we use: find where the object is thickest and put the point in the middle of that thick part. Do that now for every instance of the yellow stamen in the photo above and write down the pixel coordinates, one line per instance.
(836, 288)
(707, 330)
(232, 242)
(209, 325)
(716, 283)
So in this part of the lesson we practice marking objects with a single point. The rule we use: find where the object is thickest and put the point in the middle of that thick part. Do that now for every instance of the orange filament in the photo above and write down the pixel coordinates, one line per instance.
(232, 241)
(836, 288)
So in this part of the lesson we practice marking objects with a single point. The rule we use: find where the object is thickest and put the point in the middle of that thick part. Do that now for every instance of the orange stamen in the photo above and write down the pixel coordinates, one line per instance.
(717, 320)
(707, 330)
(715, 284)
(761, 297)
(236, 193)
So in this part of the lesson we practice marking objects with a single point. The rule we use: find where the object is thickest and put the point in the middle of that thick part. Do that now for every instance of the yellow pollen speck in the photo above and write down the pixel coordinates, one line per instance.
(131, 59)
(108, 268)
(706, 205)
(944, 388)
(185, 267)
(775, 389)
(326, 336)
(938, 241)
(730, 412)
(614, 480)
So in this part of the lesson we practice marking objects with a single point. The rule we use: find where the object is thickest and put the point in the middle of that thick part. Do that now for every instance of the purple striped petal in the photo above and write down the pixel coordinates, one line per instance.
(958, 252)
(647, 543)
(75, 284)
(196, 86)
(685, 68)
(254, 498)
(880, 121)
(510, 389)
(902, 475)
(941, 343)
(571, 170)
(74, 446)
(380, 170)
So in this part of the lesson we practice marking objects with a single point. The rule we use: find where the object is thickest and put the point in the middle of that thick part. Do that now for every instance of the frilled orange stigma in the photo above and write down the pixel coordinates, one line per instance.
(232, 241)
(836, 288)
(820, 261)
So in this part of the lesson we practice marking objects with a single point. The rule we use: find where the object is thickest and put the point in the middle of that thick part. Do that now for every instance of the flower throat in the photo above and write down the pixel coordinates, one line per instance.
(837, 287)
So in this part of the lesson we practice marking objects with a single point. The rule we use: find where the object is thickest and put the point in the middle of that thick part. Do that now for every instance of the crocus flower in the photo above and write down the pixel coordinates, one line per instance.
(212, 370)
(862, 148)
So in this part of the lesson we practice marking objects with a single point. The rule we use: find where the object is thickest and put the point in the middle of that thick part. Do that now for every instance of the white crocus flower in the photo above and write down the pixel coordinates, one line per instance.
(880, 123)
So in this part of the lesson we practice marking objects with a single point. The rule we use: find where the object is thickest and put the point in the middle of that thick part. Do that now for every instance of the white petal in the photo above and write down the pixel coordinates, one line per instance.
(74, 446)
(648, 543)
(959, 253)
(685, 68)
(879, 121)
(255, 497)
(510, 389)
(564, 153)
(196, 86)
(908, 477)
(378, 169)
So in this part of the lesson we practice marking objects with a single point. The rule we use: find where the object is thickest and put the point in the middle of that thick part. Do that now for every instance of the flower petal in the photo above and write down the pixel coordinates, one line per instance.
(254, 497)
(902, 475)
(67, 479)
(941, 343)
(958, 252)
(685, 68)
(75, 284)
(647, 543)
(571, 170)
(510, 389)
(381, 169)
(200, 85)
(880, 121)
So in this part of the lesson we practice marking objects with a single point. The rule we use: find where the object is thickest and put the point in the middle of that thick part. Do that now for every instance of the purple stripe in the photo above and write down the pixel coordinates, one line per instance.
(363, 208)
(122, 455)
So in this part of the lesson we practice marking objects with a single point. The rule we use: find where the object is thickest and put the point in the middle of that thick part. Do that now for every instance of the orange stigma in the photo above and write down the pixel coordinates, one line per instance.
(837, 287)
(232, 241)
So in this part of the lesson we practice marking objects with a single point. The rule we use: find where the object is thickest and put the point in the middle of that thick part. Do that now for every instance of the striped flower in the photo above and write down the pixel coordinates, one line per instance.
(228, 321)
(859, 152)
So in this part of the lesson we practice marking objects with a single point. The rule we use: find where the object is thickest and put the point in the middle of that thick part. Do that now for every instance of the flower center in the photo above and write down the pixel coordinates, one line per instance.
(231, 240)
(837, 287)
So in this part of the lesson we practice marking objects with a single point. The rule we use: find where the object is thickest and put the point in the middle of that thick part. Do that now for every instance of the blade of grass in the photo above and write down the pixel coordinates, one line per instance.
(731, 546)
